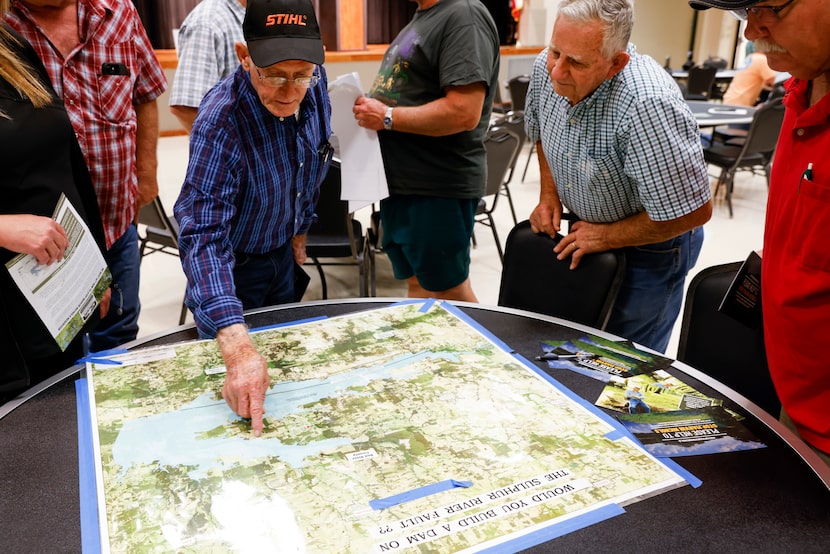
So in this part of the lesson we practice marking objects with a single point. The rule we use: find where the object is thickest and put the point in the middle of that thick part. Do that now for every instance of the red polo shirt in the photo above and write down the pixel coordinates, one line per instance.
(796, 266)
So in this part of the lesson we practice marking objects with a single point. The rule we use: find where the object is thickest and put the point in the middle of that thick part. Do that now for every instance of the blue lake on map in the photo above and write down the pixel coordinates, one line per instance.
(177, 438)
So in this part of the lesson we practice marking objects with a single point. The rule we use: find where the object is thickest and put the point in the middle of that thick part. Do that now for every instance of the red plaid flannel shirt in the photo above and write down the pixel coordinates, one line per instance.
(101, 106)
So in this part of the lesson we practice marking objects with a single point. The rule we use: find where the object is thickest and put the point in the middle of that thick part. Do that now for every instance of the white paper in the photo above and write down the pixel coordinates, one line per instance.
(64, 294)
(361, 164)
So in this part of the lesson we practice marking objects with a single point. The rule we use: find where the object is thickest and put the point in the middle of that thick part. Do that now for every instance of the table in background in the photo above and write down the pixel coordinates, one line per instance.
(712, 114)
(770, 499)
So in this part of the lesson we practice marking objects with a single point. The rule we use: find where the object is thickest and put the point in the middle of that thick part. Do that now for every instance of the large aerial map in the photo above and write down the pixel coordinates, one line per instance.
(400, 429)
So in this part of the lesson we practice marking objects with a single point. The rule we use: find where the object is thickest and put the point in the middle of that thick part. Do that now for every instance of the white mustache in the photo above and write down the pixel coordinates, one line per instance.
(762, 45)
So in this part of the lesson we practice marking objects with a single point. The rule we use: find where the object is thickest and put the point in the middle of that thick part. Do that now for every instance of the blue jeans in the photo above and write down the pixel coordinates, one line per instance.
(652, 291)
(265, 279)
(121, 323)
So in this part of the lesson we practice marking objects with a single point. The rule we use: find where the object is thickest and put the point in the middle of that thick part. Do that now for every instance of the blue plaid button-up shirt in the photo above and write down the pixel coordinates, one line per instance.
(251, 185)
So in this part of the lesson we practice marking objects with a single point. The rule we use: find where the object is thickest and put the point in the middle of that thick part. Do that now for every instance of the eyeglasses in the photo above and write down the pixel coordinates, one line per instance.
(301, 82)
(763, 13)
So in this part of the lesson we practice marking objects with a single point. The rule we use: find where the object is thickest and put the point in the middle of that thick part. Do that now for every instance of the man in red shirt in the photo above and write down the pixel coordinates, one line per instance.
(102, 65)
(795, 273)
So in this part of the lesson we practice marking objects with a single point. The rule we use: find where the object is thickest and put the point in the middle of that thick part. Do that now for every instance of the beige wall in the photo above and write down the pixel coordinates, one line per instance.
(661, 27)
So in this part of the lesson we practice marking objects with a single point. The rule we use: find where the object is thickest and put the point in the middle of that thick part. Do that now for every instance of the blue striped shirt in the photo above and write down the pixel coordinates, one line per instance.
(631, 146)
(251, 185)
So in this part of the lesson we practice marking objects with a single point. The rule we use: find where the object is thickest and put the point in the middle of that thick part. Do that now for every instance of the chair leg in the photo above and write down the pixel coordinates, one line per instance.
(319, 267)
(370, 256)
(527, 163)
(183, 314)
(510, 202)
(496, 238)
(730, 183)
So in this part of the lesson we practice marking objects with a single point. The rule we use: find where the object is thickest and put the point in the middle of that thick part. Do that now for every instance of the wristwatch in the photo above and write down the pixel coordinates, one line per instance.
(387, 119)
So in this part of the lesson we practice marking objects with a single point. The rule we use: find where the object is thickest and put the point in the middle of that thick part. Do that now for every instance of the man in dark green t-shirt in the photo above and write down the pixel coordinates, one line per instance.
(431, 102)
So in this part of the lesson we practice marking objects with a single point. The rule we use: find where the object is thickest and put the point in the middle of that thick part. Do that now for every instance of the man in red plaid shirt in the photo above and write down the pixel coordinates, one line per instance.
(102, 65)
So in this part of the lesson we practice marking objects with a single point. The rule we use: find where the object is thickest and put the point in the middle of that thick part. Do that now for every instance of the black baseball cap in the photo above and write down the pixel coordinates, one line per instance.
(722, 4)
(279, 30)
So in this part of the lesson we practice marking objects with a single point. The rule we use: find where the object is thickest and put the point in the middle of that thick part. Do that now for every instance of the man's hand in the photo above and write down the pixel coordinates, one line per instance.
(246, 377)
(40, 236)
(583, 238)
(104, 306)
(369, 113)
(547, 216)
(298, 243)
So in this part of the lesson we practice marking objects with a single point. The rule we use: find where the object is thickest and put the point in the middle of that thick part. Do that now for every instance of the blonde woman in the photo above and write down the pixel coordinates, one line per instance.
(41, 160)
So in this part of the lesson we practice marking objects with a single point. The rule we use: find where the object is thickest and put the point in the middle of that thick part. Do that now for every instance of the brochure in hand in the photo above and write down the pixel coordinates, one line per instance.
(742, 300)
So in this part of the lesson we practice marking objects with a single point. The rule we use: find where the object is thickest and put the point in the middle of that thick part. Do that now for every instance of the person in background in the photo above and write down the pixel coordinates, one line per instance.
(206, 54)
(795, 268)
(431, 102)
(259, 150)
(41, 160)
(618, 146)
(747, 84)
(101, 64)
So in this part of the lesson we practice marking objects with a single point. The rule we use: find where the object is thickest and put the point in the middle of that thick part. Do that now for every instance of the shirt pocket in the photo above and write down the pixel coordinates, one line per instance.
(812, 214)
(115, 91)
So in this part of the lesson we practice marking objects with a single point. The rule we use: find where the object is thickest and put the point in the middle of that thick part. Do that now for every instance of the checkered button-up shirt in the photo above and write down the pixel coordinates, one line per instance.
(206, 49)
(101, 100)
(631, 146)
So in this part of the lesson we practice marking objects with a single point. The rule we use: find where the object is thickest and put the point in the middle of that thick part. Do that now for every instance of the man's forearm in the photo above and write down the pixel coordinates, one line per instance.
(146, 157)
(639, 229)
(185, 115)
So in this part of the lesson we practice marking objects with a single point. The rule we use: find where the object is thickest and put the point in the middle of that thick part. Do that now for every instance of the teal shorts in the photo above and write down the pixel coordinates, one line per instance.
(429, 237)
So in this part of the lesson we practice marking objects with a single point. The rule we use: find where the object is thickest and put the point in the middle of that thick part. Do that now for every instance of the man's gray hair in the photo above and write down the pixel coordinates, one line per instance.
(616, 16)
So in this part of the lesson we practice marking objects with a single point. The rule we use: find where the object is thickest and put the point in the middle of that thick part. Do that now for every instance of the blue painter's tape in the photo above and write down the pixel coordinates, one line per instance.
(90, 532)
(101, 357)
(420, 492)
(616, 434)
(429, 303)
(455, 310)
(556, 531)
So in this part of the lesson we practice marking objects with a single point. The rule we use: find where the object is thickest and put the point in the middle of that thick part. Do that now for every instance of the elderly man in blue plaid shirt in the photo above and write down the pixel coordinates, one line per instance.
(206, 54)
(259, 151)
(619, 147)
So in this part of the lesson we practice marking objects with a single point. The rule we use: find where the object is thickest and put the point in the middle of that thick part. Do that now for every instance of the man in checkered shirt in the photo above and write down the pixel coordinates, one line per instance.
(103, 67)
(619, 147)
(206, 54)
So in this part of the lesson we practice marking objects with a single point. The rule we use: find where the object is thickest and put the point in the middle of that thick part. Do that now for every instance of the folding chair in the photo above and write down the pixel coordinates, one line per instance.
(700, 81)
(502, 149)
(534, 280)
(755, 154)
(337, 235)
(161, 234)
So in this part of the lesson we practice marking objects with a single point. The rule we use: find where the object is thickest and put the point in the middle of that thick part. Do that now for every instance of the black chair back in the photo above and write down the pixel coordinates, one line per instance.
(161, 232)
(721, 346)
(518, 91)
(514, 121)
(700, 81)
(534, 280)
(336, 234)
(503, 148)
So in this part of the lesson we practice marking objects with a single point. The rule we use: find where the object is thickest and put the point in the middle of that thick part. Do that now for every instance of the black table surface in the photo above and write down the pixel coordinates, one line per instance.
(770, 499)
